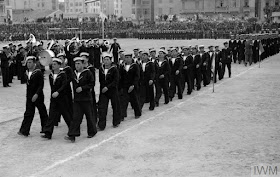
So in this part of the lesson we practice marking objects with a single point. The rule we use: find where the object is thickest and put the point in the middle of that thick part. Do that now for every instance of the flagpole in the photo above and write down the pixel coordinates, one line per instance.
(103, 20)
(260, 61)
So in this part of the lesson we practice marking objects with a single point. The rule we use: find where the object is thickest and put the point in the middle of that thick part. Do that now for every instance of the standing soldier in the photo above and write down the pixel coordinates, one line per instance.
(226, 59)
(130, 76)
(211, 59)
(187, 70)
(59, 103)
(82, 84)
(154, 59)
(34, 97)
(176, 65)
(256, 45)
(233, 46)
(109, 80)
(115, 47)
(147, 82)
(97, 53)
(5, 56)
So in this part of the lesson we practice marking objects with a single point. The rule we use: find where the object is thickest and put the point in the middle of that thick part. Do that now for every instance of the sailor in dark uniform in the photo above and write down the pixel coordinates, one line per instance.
(34, 97)
(109, 80)
(218, 64)
(176, 66)
(129, 82)
(197, 62)
(115, 47)
(226, 59)
(82, 84)
(90, 67)
(187, 76)
(204, 68)
(59, 103)
(5, 57)
(162, 77)
(147, 82)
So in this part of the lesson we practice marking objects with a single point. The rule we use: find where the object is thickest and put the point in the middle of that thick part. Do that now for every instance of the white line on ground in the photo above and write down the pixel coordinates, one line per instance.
(91, 147)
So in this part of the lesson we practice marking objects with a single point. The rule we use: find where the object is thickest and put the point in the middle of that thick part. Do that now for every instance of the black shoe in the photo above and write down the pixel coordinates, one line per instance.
(180, 98)
(166, 102)
(72, 138)
(8, 85)
(116, 126)
(189, 93)
(46, 136)
(156, 103)
(198, 89)
(21, 134)
(90, 136)
(170, 99)
(137, 117)
(151, 109)
(41, 131)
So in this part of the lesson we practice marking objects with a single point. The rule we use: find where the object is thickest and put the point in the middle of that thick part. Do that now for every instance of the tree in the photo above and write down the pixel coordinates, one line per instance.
(165, 17)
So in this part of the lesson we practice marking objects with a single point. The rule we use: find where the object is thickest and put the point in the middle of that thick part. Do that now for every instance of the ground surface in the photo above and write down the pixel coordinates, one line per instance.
(205, 134)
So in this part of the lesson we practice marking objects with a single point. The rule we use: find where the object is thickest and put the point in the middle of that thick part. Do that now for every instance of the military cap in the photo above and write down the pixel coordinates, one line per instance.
(5, 47)
(106, 54)
(161, 50)
(136, 49)
(201, 46)
(210, 46)
(128, 54)
(84, 54)
(57, 60)
(226, 42)
(121, 51)
(78, 59)
(173, 48)
(30, 58)
(60, 55)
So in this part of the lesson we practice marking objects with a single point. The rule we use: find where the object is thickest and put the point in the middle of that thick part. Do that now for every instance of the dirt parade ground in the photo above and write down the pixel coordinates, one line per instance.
(221, 134)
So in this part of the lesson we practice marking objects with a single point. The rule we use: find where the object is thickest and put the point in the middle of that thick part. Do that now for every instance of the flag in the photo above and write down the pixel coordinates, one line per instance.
(261, 50)
(102, 16)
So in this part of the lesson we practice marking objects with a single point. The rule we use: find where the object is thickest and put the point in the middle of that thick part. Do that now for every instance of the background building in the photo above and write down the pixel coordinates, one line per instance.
(74, 8)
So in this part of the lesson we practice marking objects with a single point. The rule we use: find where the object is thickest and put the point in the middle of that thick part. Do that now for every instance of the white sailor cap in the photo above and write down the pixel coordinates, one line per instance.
(30, 58)
(57, 60)
(185, 47)
(173, 48)
(78, 59)
(145, 52)
(201, 46)
(5, 46)
(84, 54)
(161, 50)
(128, 54)
(60, 55)
(106, 54)
(121, 51)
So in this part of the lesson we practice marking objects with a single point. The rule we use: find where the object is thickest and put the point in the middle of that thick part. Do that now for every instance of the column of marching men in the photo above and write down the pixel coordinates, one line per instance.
(139, 77)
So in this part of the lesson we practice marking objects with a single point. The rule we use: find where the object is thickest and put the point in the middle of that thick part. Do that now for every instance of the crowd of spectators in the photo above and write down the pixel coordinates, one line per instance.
(71, 27)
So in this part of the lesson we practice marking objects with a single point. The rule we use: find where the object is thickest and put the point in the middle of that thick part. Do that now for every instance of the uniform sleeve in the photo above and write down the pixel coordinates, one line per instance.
(63, 83)
(40, 81)
(115, 81)
(153, 71)
(137, 75)
(89, 83)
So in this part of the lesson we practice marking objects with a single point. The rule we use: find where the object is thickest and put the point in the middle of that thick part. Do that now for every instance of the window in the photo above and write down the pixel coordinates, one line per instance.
(76, 10)
(234, 3)
(160, 11)
(133, 11)
(146, 11)
(80, 4)
(170, 10)
(276, 2)
(71, 4)
(133, 2)
(246, 3)
(76, 3)
(70, 10)
(43, 4)
(159, 1)
(170, 1)
(38, 5)
(222, 3)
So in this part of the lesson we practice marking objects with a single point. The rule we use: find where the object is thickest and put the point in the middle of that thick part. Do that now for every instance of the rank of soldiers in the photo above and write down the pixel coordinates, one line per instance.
(139, 77)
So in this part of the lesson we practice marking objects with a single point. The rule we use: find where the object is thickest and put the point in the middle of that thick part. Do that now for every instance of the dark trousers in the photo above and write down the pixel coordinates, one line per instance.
(234, 55)
(162, 86)
(11, 72)
(58, 107)
(116, 57)
(133, 98)
(23, 77)
(241, 56)
(69, 105)
(5, 76)
(197, 78)
(218, 71)
(147, 95)
(187, 78)
(228, 65)
(103, 108)
(175, 81)
(205, 77)
(30, 112)
(81, 108)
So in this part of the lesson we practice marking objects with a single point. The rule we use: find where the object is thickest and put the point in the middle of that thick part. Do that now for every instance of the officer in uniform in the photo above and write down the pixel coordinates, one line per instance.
(34, 97)
(187, 70)
(197, 62)
(204, 68)
(115, 47)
